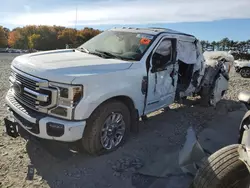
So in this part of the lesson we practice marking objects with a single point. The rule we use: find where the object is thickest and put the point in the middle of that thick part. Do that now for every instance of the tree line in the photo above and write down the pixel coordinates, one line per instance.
(56, 37)
(44, 37)
(226, 44)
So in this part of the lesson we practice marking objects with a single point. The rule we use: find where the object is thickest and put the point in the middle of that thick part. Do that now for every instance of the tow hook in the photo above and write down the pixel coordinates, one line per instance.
(11, 128)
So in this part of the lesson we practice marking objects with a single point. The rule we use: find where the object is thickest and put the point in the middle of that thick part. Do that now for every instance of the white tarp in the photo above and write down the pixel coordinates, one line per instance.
(218, 55)
(187, 52)
(212, 58)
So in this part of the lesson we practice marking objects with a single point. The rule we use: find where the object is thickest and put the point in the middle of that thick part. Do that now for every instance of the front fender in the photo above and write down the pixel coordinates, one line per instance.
(100, 88)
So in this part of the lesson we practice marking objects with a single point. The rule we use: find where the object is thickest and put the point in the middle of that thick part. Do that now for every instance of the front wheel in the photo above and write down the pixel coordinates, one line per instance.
(223, 169)
(107, 128)
(245, 72)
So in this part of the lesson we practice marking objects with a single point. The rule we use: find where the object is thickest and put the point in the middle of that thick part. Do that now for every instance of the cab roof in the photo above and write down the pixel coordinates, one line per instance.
(151, 31)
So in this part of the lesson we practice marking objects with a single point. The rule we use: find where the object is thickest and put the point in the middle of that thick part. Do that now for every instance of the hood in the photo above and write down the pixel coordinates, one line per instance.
(65, 65)
(242, 63)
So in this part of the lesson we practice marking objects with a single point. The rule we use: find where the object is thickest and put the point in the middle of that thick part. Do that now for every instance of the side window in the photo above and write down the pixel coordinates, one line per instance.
(163, 55)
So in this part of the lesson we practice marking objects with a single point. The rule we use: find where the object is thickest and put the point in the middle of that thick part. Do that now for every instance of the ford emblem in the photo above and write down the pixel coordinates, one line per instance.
(17, 87)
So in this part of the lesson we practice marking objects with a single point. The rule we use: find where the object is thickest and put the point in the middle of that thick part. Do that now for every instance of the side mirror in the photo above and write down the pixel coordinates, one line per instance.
(156, 59)
(156, 56)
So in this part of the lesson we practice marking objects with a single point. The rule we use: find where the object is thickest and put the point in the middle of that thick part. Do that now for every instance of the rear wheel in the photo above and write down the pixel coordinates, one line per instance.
(223, 169)
(107, 128)
(245, 72)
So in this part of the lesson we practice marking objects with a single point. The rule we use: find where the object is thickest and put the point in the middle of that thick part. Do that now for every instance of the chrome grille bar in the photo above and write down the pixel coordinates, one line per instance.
(38, 96)
(26, 89)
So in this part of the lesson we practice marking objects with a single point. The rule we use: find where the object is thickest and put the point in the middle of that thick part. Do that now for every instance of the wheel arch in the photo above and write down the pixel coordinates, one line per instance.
(122, 98)
(128, 101)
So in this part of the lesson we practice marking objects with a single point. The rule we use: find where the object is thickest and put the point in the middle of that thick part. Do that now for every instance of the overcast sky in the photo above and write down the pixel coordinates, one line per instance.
(104, 13)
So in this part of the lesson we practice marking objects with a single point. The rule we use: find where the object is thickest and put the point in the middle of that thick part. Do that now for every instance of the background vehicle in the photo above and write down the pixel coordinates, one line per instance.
(97, 92)
(242, 67)
(229, 167)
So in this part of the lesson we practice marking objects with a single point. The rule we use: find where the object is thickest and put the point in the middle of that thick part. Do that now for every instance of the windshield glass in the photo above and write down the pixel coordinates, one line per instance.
(116, 44)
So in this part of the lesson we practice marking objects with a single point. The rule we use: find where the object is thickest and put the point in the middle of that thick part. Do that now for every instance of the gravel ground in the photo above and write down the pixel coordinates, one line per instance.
(57, 166)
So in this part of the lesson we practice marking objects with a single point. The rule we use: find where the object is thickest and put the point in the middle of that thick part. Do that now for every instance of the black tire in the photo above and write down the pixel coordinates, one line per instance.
(91, 140)
(223, 169)
(206, 96)
(245, 72)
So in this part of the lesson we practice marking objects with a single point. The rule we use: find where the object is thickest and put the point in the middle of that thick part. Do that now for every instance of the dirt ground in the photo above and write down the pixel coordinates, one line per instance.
(58, 167)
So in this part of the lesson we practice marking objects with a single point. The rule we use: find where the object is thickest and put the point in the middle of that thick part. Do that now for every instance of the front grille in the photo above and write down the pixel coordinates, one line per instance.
(28, 90)
(26, 82)
(23, 108)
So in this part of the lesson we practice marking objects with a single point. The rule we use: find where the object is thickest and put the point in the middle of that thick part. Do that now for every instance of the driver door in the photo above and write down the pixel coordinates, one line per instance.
(162, 75)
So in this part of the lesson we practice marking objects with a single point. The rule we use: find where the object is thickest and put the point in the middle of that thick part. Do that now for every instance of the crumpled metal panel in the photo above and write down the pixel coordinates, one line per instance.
(221, 85)
(191, 53)
(214, 82)
(191, 154)
(163, 84)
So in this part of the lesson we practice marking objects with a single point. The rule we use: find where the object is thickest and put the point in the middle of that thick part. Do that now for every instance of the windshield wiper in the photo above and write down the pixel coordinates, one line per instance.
(103, 54)
(82, 49)
(107, 53)
(111, 55)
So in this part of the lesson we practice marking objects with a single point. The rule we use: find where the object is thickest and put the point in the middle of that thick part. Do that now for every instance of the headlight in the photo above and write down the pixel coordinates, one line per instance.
(68, 97)
(70, 93)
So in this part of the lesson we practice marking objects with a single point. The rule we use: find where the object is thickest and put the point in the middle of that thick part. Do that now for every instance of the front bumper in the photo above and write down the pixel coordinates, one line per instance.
(44, 126)
(237, 69)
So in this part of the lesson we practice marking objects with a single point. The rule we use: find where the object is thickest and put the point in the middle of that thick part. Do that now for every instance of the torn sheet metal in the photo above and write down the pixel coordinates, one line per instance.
(191, 53)
(215, 80)
(221, 85)
(200, 66)
(192, 154)
(187, 52)
(165, 85)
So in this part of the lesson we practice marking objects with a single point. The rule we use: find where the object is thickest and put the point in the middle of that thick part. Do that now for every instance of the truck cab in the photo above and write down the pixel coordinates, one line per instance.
(97, 92)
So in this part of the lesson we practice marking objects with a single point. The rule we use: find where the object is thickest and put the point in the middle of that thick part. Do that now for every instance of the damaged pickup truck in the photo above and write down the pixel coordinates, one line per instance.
(97, 92)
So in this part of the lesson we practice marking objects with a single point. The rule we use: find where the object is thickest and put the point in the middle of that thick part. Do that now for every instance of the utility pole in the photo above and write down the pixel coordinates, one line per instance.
(76, 18)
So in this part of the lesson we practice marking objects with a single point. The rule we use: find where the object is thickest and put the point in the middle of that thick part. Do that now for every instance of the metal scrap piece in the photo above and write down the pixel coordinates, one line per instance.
(191, 154)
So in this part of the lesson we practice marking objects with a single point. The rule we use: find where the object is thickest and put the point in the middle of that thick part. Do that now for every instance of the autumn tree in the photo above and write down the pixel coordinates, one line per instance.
(34, 41)
(3, 39)
(68, 36)
(6, 31)
(14, 39)
(48, 37)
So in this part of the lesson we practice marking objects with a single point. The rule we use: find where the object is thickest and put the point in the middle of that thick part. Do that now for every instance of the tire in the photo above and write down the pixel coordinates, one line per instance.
(206, 96)
(223, 169)
(91, 140)
(245, 72)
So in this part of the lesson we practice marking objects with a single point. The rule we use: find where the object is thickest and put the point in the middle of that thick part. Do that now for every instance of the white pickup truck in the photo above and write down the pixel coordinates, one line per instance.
(242, 67)
(97, 92)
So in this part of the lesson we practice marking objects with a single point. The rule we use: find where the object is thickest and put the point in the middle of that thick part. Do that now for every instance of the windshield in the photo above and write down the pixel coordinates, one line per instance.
(116, 44)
